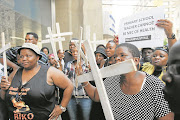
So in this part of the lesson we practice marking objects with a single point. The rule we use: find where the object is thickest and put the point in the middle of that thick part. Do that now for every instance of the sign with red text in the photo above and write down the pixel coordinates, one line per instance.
(141, 29)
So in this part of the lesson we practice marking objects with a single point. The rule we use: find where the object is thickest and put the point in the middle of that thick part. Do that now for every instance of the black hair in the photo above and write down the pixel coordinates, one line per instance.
(111, 41)
(45, 48)
(59, 51)
(100, 46)
(32, 33)
(132, 49)
(146, 49)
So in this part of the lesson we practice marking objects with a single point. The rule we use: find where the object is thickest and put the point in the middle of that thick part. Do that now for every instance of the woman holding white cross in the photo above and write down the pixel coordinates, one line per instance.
(135, 95)
(30, 94)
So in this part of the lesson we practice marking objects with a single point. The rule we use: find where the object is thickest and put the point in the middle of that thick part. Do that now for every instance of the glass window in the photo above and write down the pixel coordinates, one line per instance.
(17, 17)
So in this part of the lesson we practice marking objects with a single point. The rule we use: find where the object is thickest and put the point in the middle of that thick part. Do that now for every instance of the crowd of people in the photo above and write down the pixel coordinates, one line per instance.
(39, 87)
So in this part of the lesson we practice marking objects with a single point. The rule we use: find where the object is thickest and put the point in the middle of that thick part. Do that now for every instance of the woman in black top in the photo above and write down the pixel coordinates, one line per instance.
(31, 93)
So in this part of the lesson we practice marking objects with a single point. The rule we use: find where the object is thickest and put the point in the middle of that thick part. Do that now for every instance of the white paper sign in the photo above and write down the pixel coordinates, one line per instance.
(141, 29)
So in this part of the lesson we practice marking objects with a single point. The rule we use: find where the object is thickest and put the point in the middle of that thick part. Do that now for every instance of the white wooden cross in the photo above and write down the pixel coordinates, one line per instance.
(97, 75)
(3, 49)
(52, 41)
(59, 35)
(96, 42)
(80, 52)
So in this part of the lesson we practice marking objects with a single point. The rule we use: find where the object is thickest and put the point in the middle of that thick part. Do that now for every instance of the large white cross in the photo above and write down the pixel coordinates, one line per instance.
(3, 49)
(52, 41)
(97, 75)
(59, 35)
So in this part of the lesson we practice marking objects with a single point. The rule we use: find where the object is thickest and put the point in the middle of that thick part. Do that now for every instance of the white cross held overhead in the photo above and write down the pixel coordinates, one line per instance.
(80, 52)
(52, 41)
(3, 49)
(97, 75)
(59, 35)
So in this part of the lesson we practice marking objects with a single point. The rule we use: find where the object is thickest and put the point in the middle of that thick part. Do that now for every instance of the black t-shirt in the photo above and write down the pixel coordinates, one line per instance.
(36, 99)
(68, 57)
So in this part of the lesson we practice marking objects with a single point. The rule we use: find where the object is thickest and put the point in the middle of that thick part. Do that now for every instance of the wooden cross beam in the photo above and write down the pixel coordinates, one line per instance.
(59, 35)
(3, 49)
(97, 75)
(96, 42)
(52, 41)
(79, 53)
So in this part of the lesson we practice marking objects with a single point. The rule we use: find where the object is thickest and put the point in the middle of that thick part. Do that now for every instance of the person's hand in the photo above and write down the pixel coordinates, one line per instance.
(5, 84)
(78, 69)
(55, 113)
(55, 63)
(116, 40)
(167, 25)
(61, 55)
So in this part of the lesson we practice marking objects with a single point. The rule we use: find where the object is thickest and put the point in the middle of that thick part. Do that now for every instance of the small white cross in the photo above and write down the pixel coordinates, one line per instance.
(3, 49)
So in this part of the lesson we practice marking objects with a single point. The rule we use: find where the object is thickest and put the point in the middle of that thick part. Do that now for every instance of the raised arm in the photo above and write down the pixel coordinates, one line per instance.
(10, 64)
(91, 91)
(167, 25)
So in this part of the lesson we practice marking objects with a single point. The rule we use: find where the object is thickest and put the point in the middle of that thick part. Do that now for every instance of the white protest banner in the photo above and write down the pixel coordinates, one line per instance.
(141, 29)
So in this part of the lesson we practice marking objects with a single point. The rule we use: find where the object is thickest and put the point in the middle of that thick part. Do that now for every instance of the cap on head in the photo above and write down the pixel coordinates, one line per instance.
(102, 51)
(164, 48)
(32, 47)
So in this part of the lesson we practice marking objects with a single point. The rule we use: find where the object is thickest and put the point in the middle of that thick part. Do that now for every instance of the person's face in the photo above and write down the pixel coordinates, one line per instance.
(60, 55)
(159, 58)
(122, 54)
(99, 58)
(147, 54)
(75, 53)
(18, 59)
(45, 51)
(172, 79)
(71, 46)
(51, 60)
(30, 39)
(110, 49)
(28, 58)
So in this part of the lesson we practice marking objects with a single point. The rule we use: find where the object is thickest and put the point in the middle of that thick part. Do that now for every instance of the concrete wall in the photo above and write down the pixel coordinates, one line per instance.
(71, 14)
